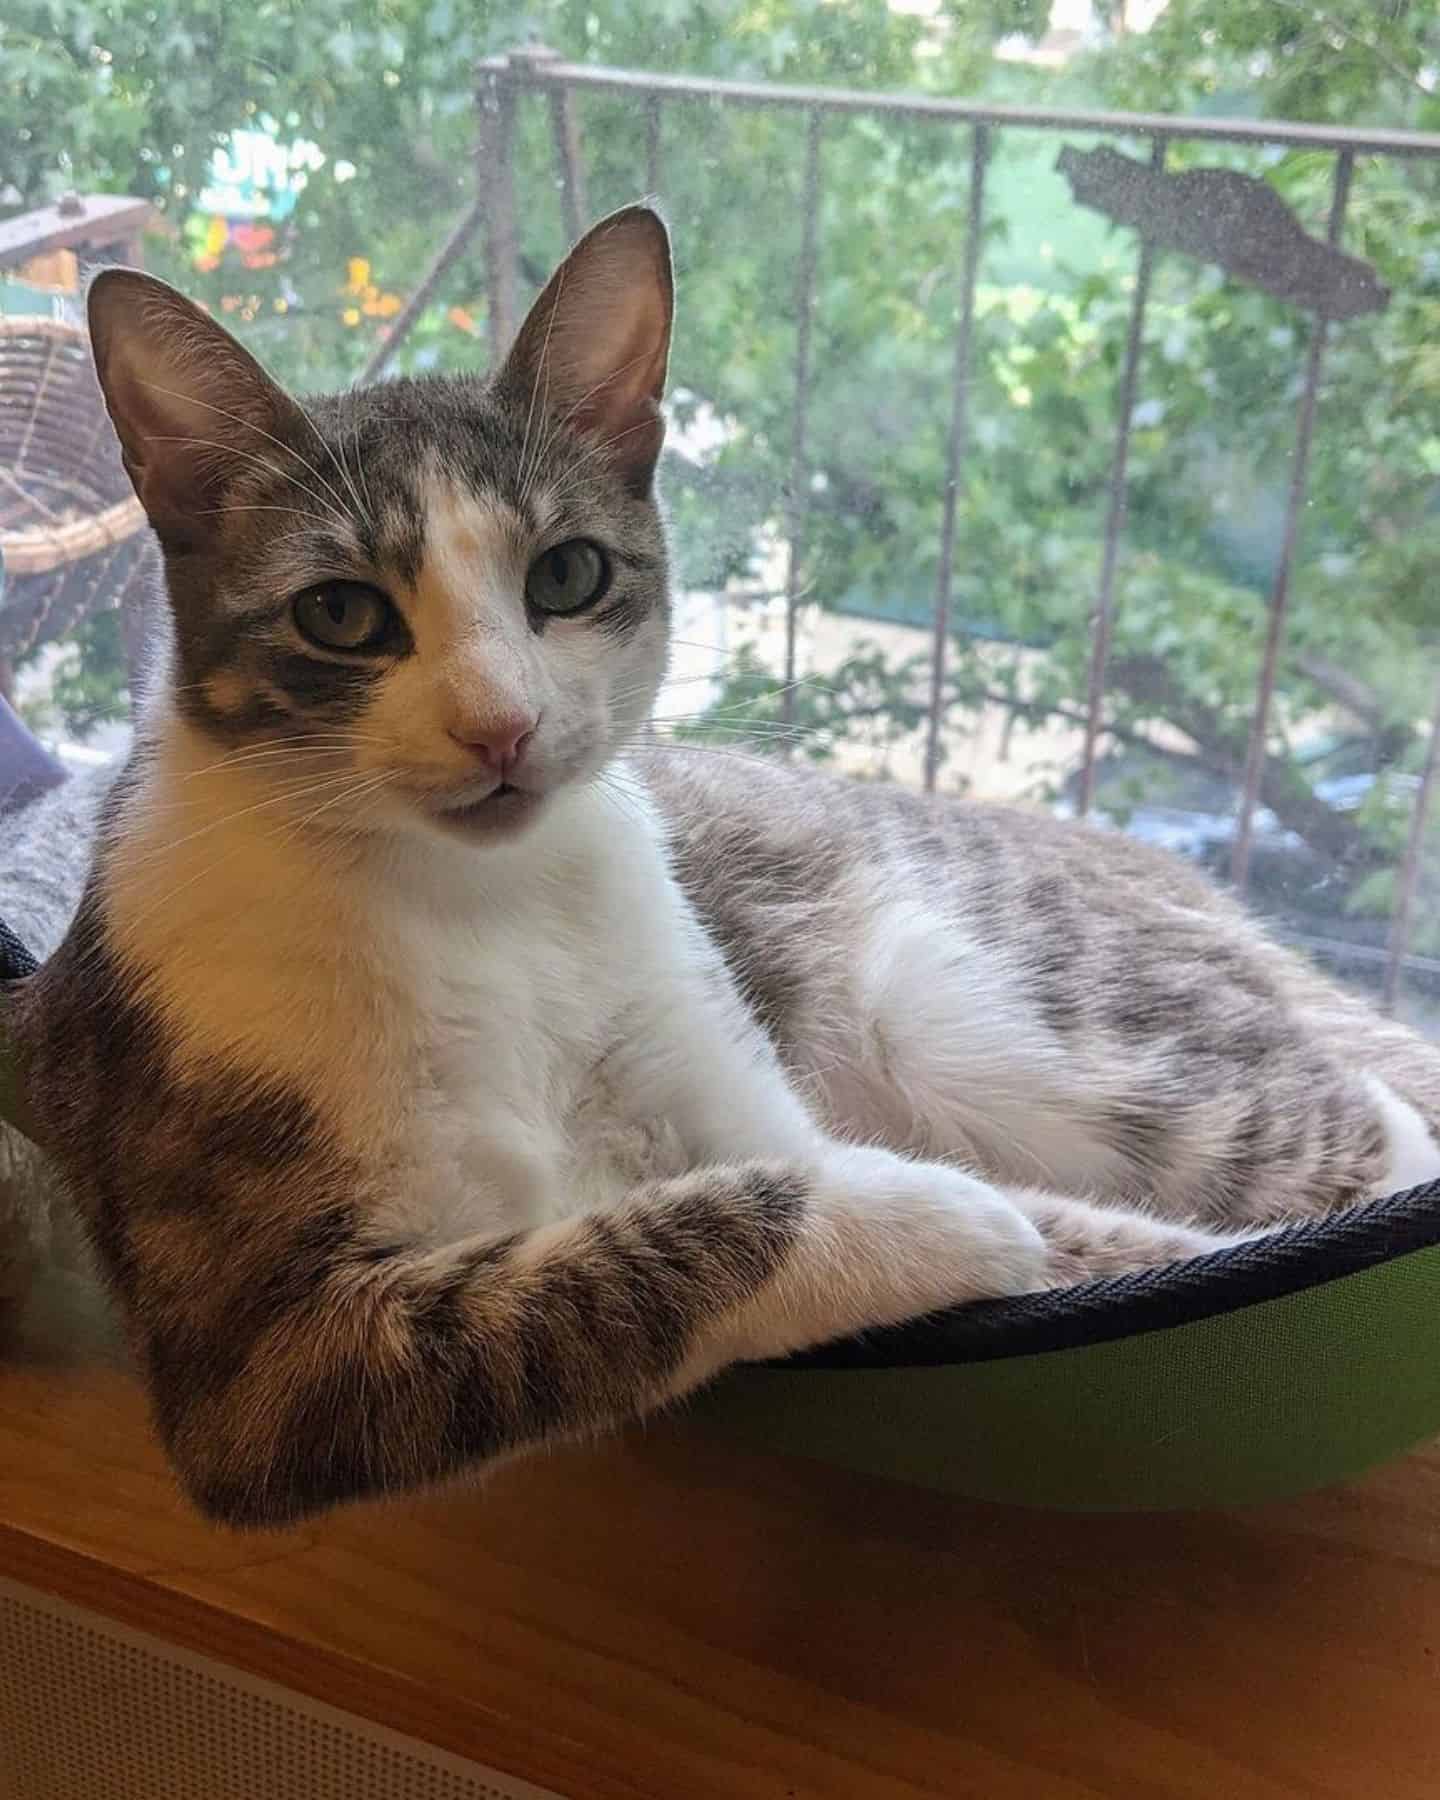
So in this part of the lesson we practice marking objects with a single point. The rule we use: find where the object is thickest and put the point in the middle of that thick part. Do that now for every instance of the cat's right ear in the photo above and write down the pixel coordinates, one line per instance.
(192, 409)
(595, 345)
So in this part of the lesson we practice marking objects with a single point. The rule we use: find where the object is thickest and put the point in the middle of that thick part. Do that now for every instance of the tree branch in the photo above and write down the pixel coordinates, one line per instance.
(1218, 749)
(1283, 789)
(1347, 690)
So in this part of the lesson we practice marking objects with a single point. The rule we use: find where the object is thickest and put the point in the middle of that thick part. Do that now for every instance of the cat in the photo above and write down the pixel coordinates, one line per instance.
(439, 1069)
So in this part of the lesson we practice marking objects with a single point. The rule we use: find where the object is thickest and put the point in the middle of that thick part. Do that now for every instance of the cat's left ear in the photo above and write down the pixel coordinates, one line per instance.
(191, 407)
(595, 346)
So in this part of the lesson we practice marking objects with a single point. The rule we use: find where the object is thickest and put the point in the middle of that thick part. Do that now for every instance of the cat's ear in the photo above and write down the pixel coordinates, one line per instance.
(595, 345)
(192, 409)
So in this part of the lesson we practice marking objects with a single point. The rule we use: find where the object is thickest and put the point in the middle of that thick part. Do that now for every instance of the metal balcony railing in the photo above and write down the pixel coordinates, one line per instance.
(503, 83)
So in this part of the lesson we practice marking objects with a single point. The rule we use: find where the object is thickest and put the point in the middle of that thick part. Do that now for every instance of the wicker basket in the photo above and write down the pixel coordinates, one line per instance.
(72, 535)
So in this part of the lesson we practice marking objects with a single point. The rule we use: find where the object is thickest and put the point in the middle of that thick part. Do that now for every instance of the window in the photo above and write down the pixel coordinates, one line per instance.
(973, 482)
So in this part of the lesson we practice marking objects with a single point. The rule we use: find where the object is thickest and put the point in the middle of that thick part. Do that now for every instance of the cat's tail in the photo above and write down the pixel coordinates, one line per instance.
(1088, 1241)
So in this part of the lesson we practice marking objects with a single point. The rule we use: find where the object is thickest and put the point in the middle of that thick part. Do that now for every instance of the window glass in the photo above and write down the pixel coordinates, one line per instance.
(911, 368)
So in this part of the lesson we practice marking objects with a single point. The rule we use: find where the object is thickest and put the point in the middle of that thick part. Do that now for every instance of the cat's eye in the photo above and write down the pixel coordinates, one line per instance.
(344, 615)
(568, 578)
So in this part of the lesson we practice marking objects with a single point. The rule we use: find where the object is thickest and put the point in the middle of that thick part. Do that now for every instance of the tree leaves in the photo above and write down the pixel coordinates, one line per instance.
(126, 96)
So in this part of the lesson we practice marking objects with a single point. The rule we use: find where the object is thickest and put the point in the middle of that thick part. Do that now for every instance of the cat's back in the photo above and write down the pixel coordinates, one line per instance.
(1058, 930)
(926, 963)
(749, 829)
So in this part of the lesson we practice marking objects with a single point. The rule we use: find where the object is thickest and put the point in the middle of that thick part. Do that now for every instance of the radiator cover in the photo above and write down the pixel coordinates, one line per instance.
(91, 1710)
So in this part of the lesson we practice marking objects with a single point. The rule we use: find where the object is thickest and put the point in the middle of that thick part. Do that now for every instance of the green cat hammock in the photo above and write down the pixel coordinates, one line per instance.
(1280, 1365)
(1288, 1363)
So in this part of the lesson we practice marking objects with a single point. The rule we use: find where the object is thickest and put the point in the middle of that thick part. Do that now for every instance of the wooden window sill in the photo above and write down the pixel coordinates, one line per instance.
(664, 1616)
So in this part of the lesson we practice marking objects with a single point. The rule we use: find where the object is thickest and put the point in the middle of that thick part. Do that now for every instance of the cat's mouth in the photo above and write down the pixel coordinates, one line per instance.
(504, 808)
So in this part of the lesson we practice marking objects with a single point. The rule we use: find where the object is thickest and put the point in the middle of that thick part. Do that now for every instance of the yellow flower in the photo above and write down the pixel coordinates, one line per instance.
(357, 274)
(351, 315)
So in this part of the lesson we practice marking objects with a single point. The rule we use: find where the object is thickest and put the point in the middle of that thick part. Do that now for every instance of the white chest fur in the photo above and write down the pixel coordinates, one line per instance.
(452, 1013)
(524, 995)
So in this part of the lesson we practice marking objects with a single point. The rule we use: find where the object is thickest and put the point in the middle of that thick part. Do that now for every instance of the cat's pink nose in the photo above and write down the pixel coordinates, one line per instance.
(500, 742)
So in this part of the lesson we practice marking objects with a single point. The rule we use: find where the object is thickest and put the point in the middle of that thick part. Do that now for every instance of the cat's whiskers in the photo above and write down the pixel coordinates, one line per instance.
(621, 694)
(733, 731)
(606, 780)
(733, 735)
(525, 468)
(769, 693)
(159, 854)
(283, 794)
(343, 734)
(279, 750)
(600, 386)
(726, 717)
(692, 680)
(362, 790)
(166, 898)
(289, 449)
(340, 462)
(332, 510)
(219, 512)
(360, 465)
(303, 744)
(733, 655)
(200, 799)
(565, 419)
(576, 467)
(735, 754)
(272, 765)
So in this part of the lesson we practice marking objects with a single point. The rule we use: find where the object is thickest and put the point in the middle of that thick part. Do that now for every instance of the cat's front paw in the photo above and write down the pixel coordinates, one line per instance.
(950, 1236)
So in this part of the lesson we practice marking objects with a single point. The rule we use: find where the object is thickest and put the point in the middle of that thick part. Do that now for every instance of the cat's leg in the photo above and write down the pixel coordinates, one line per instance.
(719, 1080)
(1288, 1117)
(1085, 1241)
(695, 1058)
(301, 1362)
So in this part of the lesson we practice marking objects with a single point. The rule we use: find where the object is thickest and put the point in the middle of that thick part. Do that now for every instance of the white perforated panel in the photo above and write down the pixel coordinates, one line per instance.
(93, 1711)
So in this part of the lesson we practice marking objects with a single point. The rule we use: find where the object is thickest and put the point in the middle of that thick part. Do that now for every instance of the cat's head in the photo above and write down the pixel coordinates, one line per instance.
(454, 588)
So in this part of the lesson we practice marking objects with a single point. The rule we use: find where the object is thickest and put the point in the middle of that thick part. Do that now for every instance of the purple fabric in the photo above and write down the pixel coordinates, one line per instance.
(25, 768)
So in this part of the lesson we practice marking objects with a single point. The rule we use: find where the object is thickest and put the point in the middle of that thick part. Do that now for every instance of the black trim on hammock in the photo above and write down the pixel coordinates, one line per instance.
(1285, 1261)
(15, 960)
